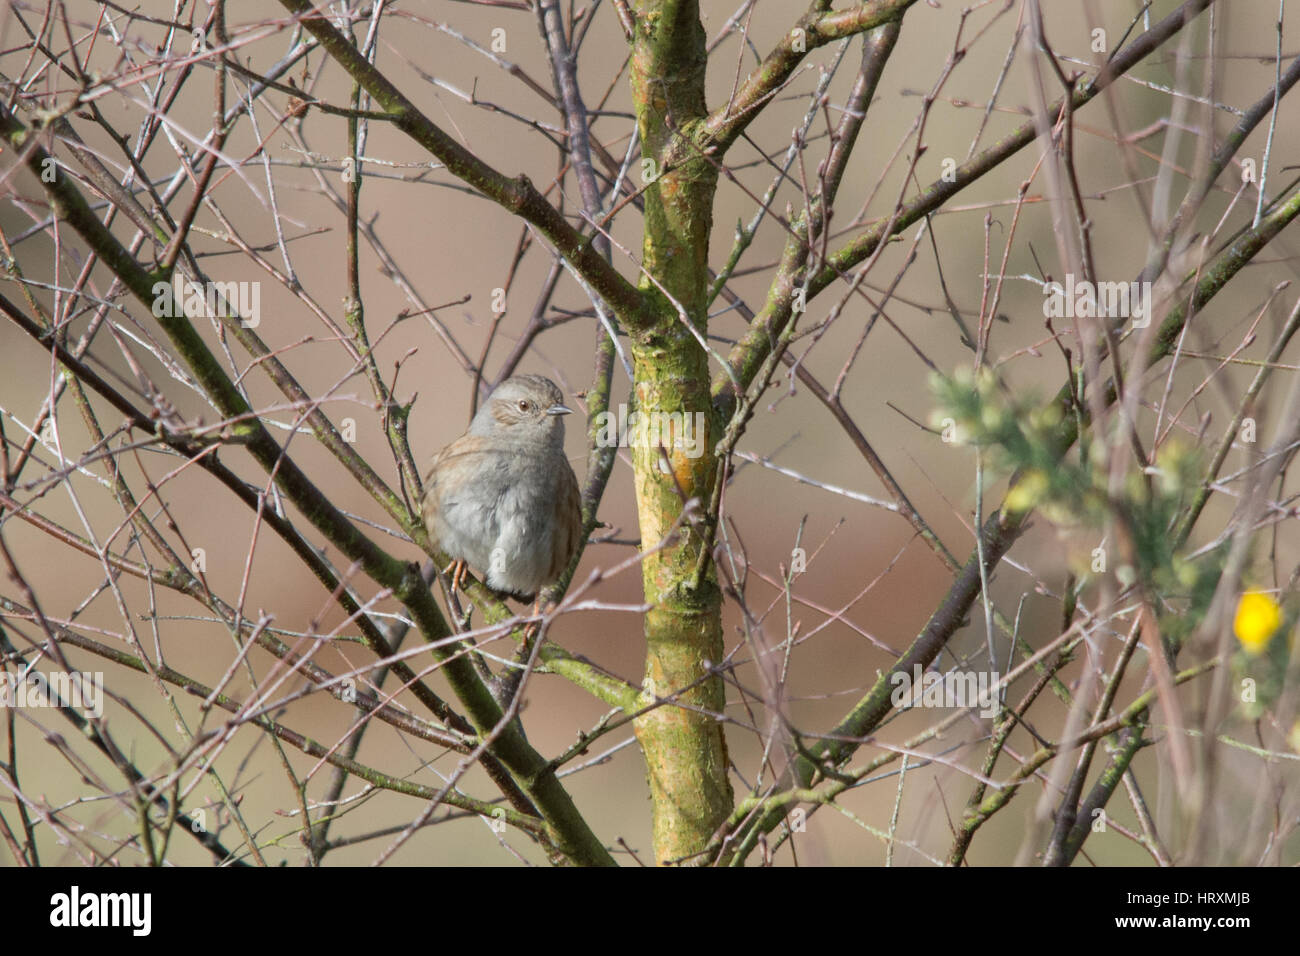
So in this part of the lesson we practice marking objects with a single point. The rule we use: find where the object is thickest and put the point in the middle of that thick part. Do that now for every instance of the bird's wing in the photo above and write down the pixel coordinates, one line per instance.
(568, 521)
(445, 482)
(429, 500)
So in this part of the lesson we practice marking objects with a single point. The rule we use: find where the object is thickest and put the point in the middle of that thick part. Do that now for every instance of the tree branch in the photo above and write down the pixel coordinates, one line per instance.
(518, 195)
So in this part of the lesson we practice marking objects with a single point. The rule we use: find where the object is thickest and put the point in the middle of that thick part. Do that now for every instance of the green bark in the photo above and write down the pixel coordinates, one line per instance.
(684, 748)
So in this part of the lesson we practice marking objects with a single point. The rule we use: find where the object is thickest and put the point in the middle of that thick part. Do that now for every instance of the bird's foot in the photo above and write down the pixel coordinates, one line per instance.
(533, 628)
(457, 570)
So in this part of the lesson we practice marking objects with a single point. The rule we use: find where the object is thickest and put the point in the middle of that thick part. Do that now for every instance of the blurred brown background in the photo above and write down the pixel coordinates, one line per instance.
(450, 244)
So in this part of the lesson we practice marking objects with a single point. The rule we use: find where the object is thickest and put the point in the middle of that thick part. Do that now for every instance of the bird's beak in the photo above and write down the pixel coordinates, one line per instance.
(559, 410)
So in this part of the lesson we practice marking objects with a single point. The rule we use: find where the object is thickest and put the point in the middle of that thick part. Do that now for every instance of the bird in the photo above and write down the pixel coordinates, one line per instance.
(502, 498)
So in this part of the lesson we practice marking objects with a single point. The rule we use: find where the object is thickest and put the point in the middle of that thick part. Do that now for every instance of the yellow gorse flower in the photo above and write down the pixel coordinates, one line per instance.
(1027, 492)
(1258, 618)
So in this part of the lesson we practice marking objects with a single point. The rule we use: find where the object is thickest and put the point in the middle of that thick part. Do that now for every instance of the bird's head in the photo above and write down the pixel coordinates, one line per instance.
(530, 407)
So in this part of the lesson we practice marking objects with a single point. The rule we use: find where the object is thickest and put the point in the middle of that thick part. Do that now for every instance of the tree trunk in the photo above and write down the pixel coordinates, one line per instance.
(685, 753)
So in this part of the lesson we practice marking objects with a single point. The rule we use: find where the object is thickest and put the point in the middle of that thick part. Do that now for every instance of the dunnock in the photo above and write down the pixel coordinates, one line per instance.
(502, 498)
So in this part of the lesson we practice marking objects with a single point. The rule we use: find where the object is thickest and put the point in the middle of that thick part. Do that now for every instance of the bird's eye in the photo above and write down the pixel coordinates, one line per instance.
(524, 405)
